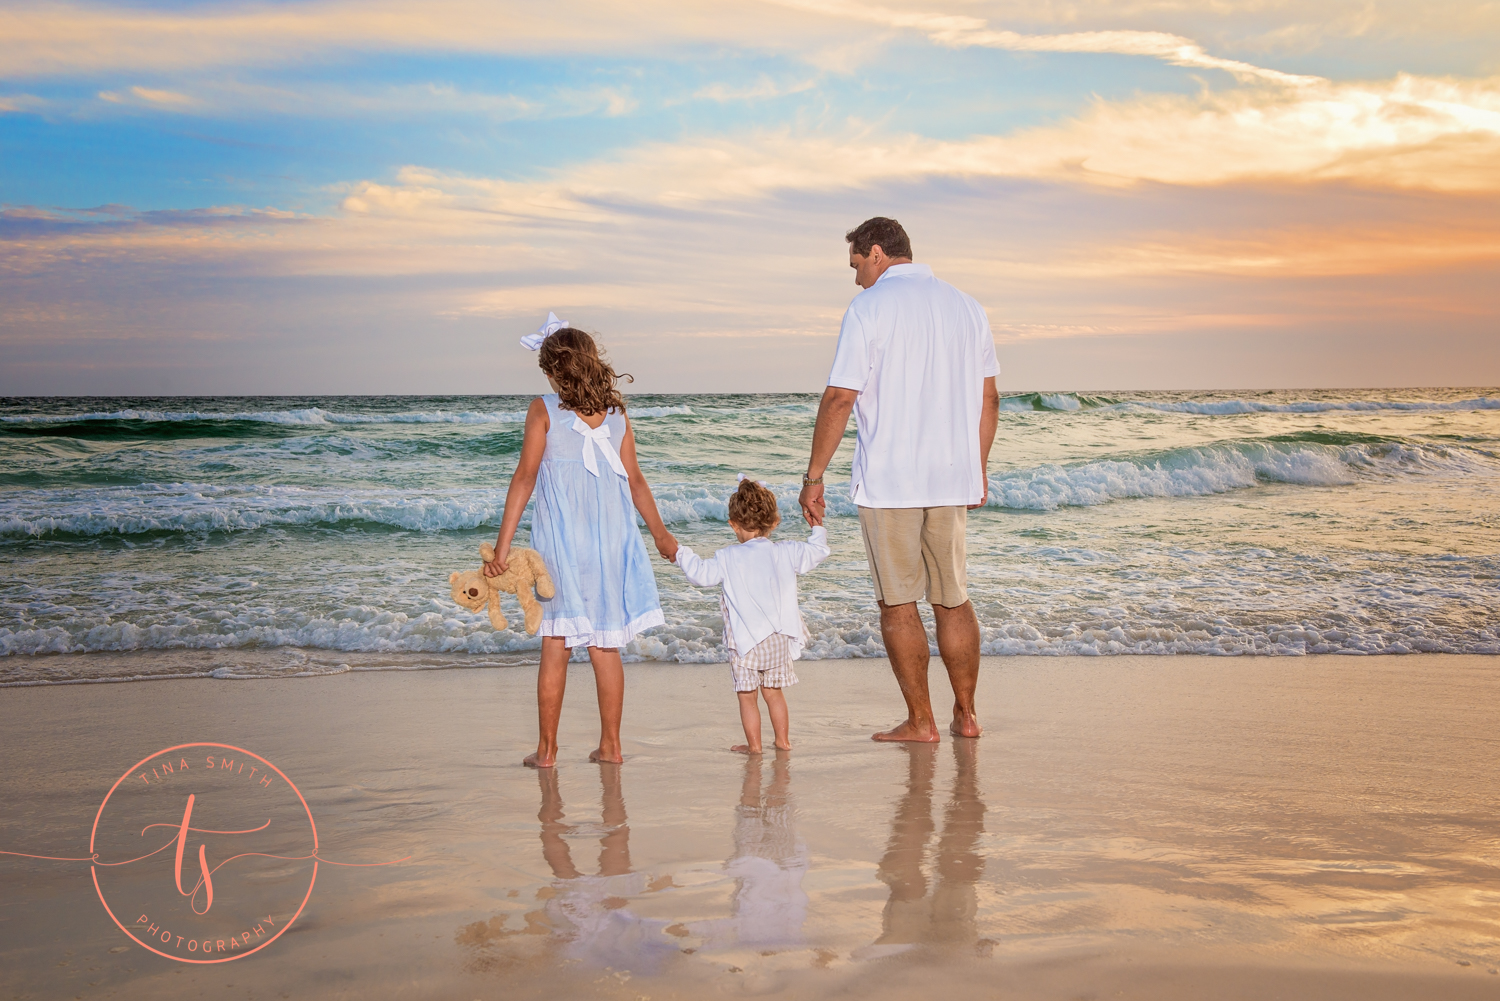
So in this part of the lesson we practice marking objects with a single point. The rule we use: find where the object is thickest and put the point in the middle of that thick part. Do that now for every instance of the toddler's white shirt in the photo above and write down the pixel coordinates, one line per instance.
(759, 578)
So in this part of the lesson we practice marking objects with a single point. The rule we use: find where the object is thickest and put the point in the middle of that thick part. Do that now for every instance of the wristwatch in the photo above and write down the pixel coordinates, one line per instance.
(808, 481)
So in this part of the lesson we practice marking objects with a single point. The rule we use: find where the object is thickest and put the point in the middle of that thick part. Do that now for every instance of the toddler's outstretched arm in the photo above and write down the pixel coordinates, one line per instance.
(806, 555)
(704, 573)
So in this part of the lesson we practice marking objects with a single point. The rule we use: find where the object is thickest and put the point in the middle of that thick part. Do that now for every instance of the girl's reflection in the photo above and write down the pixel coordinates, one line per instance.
(592, 912)
(945, 916)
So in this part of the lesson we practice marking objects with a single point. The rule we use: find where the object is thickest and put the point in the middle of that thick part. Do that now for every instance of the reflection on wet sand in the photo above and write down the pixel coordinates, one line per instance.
(768, 906)
(592, 913)
(588, 915)
(946, 915)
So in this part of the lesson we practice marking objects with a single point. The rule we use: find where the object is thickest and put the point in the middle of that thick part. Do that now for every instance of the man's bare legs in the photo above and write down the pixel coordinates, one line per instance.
(552, 682)
(958, 645)
(750, 719)
(906, 646)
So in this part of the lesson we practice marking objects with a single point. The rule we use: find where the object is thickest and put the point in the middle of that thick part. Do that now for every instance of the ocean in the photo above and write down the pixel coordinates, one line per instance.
(315, 535)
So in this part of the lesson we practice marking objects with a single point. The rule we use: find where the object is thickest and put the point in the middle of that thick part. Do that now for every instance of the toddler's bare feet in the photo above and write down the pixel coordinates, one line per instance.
(745, 749)
(537, 761)
(599, 757)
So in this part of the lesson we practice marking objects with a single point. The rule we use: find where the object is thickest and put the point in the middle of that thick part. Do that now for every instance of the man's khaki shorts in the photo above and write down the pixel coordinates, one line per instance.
(916, 552)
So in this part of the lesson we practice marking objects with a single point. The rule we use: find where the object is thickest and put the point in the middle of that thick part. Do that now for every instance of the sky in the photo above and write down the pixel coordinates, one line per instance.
(382, 197)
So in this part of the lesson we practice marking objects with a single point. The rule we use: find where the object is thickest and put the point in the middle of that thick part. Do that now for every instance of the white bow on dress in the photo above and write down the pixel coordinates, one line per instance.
(597, 438)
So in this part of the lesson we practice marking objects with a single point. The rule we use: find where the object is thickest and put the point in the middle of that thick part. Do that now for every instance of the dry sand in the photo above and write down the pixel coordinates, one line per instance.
(1129, 827)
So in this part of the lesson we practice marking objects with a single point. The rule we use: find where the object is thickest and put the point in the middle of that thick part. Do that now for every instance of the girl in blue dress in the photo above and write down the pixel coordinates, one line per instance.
(578, 455)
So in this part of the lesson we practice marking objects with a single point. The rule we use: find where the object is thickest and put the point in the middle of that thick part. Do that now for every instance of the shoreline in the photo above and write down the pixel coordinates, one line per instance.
(263, 664)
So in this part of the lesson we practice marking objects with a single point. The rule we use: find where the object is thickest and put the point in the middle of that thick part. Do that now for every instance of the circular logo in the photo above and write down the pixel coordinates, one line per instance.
(204, 853)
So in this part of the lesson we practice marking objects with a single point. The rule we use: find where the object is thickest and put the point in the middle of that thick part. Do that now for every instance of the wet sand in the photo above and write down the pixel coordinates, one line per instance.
(1130, 827)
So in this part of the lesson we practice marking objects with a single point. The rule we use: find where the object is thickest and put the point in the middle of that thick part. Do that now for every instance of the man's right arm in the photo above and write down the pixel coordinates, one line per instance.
(833, 418)
(989, 423)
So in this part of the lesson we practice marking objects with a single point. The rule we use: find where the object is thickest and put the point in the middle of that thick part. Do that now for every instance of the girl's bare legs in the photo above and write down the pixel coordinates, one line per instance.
(776, 706)
(551, 681)
(609, 681)
(750, 718)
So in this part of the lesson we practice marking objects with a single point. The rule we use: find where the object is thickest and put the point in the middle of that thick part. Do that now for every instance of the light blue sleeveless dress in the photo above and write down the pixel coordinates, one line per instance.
(584, 527)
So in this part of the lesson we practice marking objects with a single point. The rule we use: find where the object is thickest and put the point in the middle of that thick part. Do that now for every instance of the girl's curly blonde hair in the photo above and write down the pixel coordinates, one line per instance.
(753, 507)
(585, 381)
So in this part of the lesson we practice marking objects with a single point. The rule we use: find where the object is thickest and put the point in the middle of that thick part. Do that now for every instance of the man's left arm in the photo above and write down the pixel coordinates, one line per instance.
(989, 422)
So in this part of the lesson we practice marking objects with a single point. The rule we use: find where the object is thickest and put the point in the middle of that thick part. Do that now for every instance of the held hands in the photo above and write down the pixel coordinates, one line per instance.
(497, 566)
(666, 545)
(813, 505)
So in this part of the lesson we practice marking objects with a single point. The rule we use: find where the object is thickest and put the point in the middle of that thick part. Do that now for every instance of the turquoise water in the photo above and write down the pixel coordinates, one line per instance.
(1228, 523)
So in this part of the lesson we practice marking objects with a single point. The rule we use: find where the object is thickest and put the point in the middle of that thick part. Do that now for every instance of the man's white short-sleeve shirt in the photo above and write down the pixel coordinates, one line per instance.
(917, 350)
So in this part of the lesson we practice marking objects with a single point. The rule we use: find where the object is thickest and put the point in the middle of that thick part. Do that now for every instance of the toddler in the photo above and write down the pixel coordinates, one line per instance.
(763, 627)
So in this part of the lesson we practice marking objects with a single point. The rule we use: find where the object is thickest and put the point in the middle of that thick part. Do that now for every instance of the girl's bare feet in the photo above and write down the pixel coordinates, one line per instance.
(601, 757)
(537, 761)
(745, 749)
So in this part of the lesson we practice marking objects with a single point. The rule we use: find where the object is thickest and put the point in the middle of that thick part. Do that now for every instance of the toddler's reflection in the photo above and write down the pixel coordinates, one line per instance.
(768, 906)
(946, 916)
(592, 912)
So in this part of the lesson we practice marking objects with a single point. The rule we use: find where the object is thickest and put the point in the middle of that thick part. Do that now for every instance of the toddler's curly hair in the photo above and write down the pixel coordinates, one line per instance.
(753, 507)
(586, 383)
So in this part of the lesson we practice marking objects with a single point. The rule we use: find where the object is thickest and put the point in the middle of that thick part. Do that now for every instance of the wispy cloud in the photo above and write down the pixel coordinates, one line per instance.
(167, 100)
(763, 89)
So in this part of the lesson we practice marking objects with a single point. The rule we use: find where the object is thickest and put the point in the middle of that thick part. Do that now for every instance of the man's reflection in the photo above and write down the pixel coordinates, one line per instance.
(946, 914)
(592, 912)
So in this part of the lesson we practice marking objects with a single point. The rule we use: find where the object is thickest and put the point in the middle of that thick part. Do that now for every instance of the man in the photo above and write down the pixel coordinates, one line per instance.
(916, 362)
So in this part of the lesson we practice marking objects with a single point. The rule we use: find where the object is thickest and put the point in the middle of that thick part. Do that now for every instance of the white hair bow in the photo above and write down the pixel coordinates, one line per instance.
(598, 438)
(743, 478)
(533, 342)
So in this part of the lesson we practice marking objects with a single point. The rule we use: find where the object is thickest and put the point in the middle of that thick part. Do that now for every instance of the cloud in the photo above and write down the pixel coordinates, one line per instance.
(764, 88)
(967, 32)
(166, 100)
(72, 39)
(234, 98)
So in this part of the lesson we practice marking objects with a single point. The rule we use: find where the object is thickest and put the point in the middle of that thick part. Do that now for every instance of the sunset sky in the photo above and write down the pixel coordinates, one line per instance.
(381, 197)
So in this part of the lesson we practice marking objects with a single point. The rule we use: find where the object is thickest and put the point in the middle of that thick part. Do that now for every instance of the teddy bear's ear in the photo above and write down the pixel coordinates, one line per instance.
(453, 578)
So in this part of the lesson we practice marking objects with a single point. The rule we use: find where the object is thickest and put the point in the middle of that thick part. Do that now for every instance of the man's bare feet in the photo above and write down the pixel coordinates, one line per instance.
(965, 725)
(598, 756)
(909, 733)
(536, 761)
(744, 749)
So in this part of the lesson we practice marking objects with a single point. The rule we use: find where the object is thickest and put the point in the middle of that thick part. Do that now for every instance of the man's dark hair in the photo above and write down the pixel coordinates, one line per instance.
(887, 233)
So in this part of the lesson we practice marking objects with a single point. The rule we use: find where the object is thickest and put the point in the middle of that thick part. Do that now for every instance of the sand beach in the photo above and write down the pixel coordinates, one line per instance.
(1131, 827)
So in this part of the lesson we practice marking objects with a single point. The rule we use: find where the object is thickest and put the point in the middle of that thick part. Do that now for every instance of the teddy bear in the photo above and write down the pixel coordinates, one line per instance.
(525, 569)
